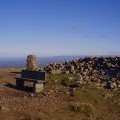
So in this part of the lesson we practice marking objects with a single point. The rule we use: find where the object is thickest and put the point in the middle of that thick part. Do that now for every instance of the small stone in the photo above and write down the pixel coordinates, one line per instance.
(32, 95)
(3, 108)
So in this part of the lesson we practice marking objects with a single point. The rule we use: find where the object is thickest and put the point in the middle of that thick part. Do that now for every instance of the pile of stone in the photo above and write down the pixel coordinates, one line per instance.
(32, 63)
(102, 71)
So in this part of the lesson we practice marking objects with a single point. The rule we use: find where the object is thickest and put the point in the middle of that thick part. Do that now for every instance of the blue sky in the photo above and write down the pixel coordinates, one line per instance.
(59, 27)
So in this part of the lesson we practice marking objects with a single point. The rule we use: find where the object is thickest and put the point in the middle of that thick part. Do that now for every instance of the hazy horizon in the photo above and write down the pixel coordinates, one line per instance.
(20, 62)
(50, 56)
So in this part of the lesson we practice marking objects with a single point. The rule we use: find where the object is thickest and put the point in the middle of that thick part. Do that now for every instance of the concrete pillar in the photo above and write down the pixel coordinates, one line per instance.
(38, 87)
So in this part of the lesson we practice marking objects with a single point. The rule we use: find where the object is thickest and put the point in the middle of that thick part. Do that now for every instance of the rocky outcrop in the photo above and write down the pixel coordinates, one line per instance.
(102, 71)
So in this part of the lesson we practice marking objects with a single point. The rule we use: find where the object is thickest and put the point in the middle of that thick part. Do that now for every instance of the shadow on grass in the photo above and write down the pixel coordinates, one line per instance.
(26, 88)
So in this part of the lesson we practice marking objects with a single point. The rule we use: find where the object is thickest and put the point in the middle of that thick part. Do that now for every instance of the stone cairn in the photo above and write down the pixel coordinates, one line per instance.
(32, 63)
(100, 71)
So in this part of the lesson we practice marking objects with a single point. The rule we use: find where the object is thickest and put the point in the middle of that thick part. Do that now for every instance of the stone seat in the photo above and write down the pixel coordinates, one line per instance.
(36, 77)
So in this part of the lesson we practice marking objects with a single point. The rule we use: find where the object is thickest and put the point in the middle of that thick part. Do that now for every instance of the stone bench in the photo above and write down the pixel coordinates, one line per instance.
(36, 77)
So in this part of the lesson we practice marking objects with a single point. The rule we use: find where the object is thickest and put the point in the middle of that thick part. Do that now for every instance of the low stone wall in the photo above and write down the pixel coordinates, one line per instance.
(102, 71)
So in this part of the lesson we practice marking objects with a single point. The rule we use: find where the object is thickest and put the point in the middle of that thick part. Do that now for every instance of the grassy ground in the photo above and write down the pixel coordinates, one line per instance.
(57, 101)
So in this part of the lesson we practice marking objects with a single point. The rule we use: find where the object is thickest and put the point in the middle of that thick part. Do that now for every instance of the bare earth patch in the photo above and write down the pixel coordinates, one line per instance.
(87, 103)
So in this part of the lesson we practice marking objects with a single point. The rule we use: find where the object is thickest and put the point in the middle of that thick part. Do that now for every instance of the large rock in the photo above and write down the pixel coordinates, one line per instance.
(55, 71)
